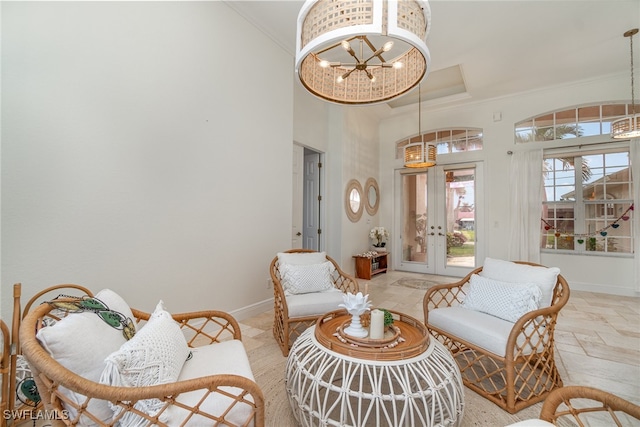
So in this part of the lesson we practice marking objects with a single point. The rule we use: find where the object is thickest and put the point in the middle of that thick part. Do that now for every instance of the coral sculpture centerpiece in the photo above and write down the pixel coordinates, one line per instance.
(356, 305)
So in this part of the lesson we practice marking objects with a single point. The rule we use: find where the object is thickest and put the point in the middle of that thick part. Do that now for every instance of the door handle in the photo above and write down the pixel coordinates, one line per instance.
(440, 234)
(298, 234)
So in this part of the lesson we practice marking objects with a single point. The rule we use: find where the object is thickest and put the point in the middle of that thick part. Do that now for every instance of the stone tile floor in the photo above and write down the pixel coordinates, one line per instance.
(597, 336)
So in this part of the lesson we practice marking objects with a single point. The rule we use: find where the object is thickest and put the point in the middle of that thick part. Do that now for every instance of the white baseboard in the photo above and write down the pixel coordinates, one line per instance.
(603, 289)
(252, 310)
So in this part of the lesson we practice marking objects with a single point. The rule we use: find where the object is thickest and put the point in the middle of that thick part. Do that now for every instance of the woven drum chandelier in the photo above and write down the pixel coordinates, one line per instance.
(628, 127)
(359, 52)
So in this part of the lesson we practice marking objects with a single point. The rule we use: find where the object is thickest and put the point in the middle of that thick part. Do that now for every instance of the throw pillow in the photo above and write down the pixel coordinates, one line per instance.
(302, 258)
(155, 355)
(80, 342)
(508, 301)
(304, 279)
(511, 272)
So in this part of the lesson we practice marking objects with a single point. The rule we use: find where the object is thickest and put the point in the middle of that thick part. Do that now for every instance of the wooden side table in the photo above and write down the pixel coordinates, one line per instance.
(367, 267)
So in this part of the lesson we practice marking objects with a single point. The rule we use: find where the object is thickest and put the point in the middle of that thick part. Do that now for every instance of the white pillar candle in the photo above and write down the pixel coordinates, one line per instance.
(366, 289)
(376, 328)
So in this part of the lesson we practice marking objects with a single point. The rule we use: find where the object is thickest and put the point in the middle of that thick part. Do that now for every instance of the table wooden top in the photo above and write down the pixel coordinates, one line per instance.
(409, 338)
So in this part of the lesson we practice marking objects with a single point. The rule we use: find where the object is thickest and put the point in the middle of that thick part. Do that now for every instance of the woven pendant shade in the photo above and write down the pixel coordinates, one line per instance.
(358, 52)
(628, 127)
(419, 155)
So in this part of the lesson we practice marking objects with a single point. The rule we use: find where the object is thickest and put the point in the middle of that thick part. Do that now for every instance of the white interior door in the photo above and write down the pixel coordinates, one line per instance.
(440, 219)
(311, 212)
(297, 196)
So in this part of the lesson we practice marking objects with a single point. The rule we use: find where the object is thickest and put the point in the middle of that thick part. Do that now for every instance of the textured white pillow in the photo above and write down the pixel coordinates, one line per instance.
(80, 342)
(302, 258)
(511, 272)
(304, 279)
(155, 355)
(508, 301)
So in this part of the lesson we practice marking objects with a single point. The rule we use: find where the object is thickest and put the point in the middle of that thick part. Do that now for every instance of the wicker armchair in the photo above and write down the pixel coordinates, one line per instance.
(5, 370)
(287, 326)
(15, 370)
(582, 406)
(526, 371)
(239, 394)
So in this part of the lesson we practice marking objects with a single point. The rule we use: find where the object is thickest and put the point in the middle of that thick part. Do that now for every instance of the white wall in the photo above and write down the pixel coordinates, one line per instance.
(348, 137)
(145, 149)
(601, 274)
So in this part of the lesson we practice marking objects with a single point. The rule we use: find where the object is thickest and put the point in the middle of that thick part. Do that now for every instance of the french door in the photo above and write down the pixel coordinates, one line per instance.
(440, 226)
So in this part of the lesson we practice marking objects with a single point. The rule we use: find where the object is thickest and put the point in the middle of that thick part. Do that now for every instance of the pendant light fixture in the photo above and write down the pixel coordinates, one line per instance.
(628, 127)
(419, 154)
(362, 52)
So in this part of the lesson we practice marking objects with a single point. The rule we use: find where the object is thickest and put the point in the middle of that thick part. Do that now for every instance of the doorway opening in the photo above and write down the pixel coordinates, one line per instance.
(307, 198)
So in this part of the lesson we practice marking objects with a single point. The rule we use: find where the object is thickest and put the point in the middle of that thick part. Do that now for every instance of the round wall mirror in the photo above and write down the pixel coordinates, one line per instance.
(353, 200)
(372, 192)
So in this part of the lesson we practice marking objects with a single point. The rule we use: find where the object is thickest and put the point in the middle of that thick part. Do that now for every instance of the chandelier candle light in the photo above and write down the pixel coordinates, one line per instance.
(360, 52)
(376, 328)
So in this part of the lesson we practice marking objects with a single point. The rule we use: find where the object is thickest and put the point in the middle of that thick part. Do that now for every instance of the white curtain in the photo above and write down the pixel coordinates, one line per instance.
(635, 178)
(527, 191)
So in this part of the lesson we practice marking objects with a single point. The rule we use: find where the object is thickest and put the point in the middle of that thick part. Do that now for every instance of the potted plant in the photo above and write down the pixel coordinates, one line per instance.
(379, 236)
(388, 319)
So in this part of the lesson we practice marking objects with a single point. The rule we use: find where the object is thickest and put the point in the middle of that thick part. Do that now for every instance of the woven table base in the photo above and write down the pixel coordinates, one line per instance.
(326, 388)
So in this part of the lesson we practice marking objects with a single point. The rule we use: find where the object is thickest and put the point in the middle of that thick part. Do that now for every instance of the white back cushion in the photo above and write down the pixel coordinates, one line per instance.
(155, 355)
(80, 342)
(511, 272)
(304, 279)
(508, 301)
(302, 258)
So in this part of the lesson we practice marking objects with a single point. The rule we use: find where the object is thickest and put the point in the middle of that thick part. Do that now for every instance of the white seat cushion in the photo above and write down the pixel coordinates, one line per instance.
(482, 330)
(314, 304)
(532, 423)
(228, 357)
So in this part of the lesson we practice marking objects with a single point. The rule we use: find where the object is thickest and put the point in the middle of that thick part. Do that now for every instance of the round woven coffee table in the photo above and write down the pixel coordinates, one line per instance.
(405, 380)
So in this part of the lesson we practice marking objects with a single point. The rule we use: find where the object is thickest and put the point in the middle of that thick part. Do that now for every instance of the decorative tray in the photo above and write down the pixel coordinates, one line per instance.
(408, 337)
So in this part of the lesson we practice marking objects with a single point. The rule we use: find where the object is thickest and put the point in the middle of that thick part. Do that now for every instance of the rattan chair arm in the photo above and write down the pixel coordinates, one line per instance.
(445, 295)
(195, 320)
(280, 300)
(565, 394)
(542, 319)
(67, 286)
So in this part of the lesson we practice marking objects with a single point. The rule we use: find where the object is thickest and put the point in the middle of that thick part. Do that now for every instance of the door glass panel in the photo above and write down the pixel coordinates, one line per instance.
(461, 217)
(414, 199)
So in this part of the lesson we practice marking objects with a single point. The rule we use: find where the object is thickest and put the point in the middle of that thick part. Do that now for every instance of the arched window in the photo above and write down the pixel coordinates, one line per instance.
(573, 122)
(446, 140)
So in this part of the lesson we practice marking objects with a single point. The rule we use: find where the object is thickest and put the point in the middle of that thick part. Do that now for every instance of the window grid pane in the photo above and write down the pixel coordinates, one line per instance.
(587, 120)
(599, 220)
(447, 141)
(558, 226)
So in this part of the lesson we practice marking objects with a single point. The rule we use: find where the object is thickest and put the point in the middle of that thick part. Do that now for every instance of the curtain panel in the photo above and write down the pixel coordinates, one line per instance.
(527, 192)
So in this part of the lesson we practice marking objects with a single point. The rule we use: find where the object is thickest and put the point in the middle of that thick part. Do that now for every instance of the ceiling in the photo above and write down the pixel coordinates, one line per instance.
(483, 49)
